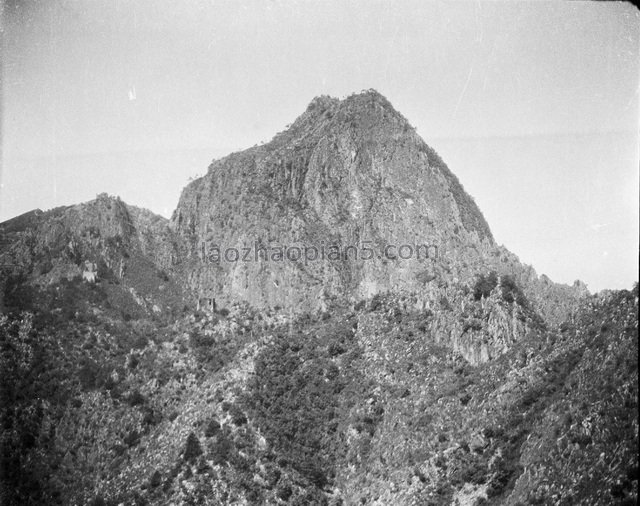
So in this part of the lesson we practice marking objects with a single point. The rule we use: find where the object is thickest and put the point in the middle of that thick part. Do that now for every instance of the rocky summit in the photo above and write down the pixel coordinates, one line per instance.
(325, 319)
(349, 173)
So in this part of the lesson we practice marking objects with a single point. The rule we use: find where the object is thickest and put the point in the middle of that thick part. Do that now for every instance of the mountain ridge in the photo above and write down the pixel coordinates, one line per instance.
(350, 173)
(336, 159)
(140, 369)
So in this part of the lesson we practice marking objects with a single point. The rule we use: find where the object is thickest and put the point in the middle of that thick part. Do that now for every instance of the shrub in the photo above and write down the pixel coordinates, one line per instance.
(151, 417)
(335, 349)
(425, 277)
(156, 479)
(565, 327)
(88, 374)
(292, 399)
(135, 398)
(444, 303)
(284, 492)
(104, 272)
(132, 438)
(485, 285)
(109, 384)
(140, 342)
(221, 450)
(376, 303)
(44, 267)
(505, 474)
(511, 291)
(192, 448)
(471, 324)
(237, 416)
(213, 428)
(132, 361)
(271, 476)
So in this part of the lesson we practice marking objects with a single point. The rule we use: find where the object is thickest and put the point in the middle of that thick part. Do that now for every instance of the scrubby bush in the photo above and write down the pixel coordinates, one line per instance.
(283, 492)
(237, 416)
(293, 399)
(335, 349)
(471, 324)
(132, 438)
(213, 428)
(375, 303)
(511, 291)
(221, 449)
(155, 480)
(135, 398)
(192, 448)
(485, 285)
(444, 303)
(425, 277)
(88, 374)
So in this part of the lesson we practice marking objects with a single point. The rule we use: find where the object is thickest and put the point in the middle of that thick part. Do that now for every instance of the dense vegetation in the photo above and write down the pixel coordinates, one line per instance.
(479, 383)
(362, 401)
(297, 395)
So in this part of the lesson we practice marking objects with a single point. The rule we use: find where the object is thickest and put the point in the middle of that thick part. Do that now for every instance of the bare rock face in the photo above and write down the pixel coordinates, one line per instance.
(347, 203)
(100, 240)
(104, 228)
(457, 376)
(351, 175)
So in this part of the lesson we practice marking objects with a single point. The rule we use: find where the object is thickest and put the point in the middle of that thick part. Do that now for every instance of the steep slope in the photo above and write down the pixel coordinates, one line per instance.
(309, 216)
(355, 406)
(460, 377)
(349, 173)
(129, 251)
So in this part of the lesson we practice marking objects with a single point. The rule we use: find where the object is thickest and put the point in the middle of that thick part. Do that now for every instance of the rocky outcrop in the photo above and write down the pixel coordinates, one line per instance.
(346, 203)
(100, 240)
(306, 218)
(349, 173)
(459, 377)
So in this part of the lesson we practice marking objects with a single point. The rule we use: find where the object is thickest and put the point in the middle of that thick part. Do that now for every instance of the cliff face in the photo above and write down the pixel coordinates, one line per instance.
(456, 377)
(347, 203)
(99, 224)
(131, 249)
(349, 173)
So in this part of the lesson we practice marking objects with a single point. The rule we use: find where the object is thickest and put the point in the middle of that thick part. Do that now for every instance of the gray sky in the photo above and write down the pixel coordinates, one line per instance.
(533, 105)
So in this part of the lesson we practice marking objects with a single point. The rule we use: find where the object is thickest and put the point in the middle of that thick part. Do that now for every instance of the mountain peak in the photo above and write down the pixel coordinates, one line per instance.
(351, 172)
(355, 105)
(323, 102)
(364, 95)
(369, 96)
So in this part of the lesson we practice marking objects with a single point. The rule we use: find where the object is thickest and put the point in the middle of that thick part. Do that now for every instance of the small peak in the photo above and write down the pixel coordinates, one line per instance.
(372, 93)
(369, 95)
(322, 103)
(580, 287)
(367, 99)
(105, 197)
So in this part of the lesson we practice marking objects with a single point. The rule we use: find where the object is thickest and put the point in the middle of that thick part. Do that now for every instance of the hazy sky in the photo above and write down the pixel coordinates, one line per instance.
(533, 105)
